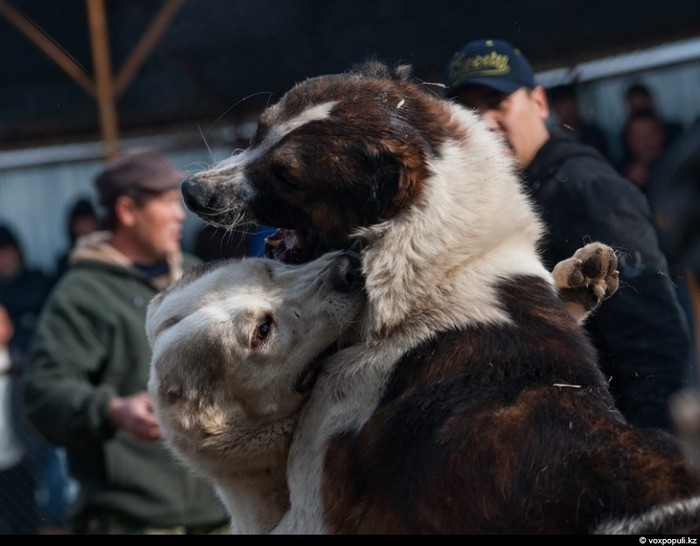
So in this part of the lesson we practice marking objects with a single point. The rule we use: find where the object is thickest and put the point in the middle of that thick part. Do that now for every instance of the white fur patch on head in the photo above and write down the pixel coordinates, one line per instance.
(313, 113)
(276, 133)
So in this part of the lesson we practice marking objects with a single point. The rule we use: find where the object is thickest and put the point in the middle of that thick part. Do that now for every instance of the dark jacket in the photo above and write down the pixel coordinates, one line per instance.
(23, 296)
(641, 333)
(90, 346)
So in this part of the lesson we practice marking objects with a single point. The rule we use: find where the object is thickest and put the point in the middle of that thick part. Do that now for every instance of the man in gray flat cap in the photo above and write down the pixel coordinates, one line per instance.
(90, 361)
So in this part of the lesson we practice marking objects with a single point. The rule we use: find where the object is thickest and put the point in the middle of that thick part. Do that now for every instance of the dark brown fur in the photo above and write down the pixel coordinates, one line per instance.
(499, 430)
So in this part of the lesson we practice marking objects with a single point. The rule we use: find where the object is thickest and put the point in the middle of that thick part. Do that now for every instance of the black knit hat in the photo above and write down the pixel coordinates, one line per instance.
(82, 207)
(142, 170)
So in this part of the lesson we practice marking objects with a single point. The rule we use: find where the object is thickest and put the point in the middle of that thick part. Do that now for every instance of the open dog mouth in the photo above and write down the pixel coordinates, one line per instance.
(298, 246)
(292, 246)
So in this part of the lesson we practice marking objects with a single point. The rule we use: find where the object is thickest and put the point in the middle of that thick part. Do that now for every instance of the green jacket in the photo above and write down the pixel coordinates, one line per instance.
(90, 345)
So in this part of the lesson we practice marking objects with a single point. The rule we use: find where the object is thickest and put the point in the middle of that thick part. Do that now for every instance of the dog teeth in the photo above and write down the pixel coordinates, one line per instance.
(292, 240)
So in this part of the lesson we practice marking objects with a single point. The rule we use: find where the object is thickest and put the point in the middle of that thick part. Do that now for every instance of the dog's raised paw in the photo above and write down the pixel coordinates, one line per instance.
(587, 278)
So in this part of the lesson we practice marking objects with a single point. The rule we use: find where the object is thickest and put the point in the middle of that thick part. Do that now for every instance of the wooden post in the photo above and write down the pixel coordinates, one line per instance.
(106, 88)
(99, 38)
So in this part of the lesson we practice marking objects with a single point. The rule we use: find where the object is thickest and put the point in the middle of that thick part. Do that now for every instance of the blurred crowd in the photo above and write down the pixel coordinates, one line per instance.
(656, 155)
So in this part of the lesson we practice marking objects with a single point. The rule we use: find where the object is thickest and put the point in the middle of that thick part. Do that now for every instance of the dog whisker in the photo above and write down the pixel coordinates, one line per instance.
(269, 93)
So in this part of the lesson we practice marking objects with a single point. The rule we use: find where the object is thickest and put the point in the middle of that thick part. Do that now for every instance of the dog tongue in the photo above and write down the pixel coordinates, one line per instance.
(294, 246)
(284, 245)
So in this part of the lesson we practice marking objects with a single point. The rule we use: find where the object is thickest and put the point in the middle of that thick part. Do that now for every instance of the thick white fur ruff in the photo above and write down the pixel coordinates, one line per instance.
(441, 258)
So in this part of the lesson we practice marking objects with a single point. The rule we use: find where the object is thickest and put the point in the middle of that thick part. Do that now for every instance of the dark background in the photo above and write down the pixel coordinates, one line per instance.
(220, 60)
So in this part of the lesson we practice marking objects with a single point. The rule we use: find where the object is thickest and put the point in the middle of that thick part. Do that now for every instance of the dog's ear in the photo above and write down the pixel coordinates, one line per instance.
(403, 72)
(386, 173)
(398, 167)
(374, 68)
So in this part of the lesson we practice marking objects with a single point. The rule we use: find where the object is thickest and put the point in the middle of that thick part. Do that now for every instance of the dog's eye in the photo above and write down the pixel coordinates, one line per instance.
(262, 332)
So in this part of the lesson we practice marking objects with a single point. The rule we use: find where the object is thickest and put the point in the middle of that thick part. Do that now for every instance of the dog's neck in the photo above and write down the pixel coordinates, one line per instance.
(256, 505)
(431, 284)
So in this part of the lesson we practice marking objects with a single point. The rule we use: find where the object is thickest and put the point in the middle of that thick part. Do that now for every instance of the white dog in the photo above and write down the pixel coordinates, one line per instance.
(235, 345)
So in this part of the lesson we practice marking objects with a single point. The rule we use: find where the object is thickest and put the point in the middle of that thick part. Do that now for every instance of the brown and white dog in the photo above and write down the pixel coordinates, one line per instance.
(471, 401)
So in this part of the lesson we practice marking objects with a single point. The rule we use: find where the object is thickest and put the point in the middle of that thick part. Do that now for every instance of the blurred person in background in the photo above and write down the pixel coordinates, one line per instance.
(23, 291)
(82, 220)
(18, 509)
(674, 194)
(567, 113)
(638, 98)
(641, 334)
(89, 364)
(644, 138)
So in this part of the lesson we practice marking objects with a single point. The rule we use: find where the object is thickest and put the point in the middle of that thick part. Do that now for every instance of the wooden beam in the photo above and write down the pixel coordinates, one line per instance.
(36, 35)
(159, 24)
(105, 88)
(103, 75)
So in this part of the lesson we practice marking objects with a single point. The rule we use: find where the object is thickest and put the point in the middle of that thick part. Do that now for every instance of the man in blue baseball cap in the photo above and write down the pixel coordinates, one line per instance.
(497, 80)
(641, 333)
(494, 63)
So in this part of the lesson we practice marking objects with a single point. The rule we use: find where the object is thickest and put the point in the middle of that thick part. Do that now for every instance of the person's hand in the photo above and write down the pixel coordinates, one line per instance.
(135, 414)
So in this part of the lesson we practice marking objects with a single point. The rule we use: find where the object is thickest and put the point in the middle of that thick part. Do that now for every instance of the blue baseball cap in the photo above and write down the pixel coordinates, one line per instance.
(493, 63)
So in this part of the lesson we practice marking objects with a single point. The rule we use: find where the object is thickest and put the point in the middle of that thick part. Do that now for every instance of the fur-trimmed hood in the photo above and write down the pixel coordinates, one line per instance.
(97, 246)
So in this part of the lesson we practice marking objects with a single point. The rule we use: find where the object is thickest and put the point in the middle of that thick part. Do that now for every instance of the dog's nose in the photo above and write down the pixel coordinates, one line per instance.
(195, 194)
(346, 273)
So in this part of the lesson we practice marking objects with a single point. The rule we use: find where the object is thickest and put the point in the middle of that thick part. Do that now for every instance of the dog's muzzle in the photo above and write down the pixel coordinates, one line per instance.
(346, 274)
